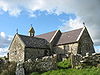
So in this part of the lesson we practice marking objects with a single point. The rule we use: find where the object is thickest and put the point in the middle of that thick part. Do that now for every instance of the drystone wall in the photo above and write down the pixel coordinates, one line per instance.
(88, 60)
(92, 60)
(19, 69)
(44, 64)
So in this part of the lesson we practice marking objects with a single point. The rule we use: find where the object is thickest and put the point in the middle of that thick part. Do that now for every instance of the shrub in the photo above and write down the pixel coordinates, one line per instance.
(8, 68)
(1, 64)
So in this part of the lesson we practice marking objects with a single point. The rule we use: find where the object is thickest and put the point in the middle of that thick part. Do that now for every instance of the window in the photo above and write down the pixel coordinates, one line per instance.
(15, 52)
(66, 48)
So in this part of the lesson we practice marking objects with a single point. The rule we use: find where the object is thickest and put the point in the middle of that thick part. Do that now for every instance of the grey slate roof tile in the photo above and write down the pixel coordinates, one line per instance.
(66, 37)
(34, 42)
(69, 37)
(48, 36)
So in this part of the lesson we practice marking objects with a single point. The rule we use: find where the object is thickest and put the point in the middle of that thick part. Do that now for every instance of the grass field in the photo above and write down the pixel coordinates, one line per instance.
(86, 71)
(66, 70)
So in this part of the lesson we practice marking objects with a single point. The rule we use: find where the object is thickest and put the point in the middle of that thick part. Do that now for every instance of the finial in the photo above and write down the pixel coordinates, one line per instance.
(84, 26)
(17, 30)
(31, 25)
(84, 23)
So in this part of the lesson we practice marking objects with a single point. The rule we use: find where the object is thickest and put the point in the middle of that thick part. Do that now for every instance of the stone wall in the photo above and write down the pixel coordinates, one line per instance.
(75, 60)
(59, 49)
(32, 53)
(91, 59)
(85, 44)
(16, 50)
(68, 48)
(19, 69)
(44, 64)
(84, 61)
(73, 48)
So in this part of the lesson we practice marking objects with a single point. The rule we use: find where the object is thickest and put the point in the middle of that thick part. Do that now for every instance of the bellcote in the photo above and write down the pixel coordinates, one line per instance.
(31, 31)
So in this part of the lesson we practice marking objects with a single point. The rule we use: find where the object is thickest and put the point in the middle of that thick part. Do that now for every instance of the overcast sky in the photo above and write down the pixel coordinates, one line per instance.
(46, 16)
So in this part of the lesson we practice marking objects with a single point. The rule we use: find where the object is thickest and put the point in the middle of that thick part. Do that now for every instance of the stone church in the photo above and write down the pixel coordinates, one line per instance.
(25, 47)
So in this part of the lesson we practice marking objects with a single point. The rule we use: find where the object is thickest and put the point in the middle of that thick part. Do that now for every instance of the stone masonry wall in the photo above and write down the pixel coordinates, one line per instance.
(41, 64)
(68, 48)
(73, 48)
(31, 53)
(85, 44)
(16, 51)
(59, 49)
(84, 61)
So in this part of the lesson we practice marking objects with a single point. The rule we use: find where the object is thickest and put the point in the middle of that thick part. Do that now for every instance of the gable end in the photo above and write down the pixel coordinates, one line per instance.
(16, 36)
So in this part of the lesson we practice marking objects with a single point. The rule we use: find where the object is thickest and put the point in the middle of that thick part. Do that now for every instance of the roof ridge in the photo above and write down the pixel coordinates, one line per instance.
(30, 41)
(72, 30)
(30, 36)
(20, 34)
(46, 33)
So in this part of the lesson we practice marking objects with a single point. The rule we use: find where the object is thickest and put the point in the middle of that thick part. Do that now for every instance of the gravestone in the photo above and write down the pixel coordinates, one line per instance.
(20, 69)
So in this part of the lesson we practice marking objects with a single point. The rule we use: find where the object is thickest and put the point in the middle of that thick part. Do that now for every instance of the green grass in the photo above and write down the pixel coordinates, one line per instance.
(65, 70)
(64, 64)
(35, 73)
(86, 71)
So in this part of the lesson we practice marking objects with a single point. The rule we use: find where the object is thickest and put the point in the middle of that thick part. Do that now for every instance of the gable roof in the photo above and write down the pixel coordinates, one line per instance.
(34, 42)
(65, 38)
(69, 37)
(48, 36)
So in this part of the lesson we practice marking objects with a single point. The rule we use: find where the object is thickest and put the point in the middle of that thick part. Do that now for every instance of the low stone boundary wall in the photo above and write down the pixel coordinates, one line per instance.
(88, 60)
(40, 65)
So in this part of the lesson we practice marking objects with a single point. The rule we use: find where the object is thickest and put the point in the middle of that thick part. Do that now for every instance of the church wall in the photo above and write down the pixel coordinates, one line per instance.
(67, 48)
(16, 51)
(59, 49)
(85, 44)
(73, 48)
(32, 53)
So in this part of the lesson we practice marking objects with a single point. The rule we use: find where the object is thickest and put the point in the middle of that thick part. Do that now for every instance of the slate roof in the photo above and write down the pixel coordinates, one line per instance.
(65, 38)
(69, 37)
(48, 36)
(34, 42)
(42, 41)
